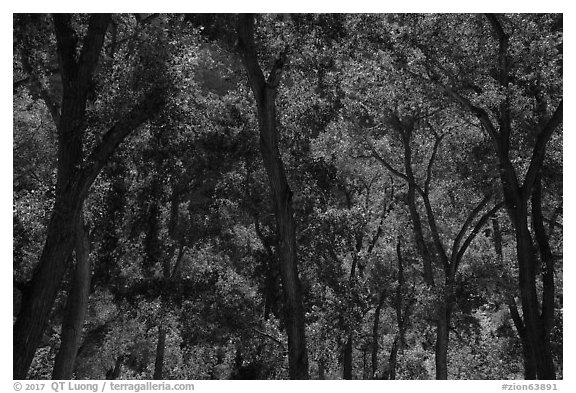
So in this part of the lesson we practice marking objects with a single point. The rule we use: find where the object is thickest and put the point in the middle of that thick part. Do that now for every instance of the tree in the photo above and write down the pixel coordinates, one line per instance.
(264, 91)
(75, 173)
(501, 121)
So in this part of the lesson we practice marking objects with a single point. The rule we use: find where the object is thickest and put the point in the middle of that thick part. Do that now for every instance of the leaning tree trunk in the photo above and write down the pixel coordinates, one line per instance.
(75, 175)
(265, 93)
(76, 307)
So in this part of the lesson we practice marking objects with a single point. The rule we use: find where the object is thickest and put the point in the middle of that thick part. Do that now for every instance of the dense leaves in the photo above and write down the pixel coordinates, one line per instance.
(418, 158)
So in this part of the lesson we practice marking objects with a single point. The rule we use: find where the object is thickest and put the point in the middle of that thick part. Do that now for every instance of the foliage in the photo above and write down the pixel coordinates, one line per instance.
(184, 241)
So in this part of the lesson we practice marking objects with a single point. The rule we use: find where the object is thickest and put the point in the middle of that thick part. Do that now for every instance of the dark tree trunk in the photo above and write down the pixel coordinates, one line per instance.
(528, 353)
(443, 338)
(114, 373)
(348, 358)
(76, 307)
(264, 94)
(160, 349)
(76, 76)
(375, 335)
(75, 175)
(546, 369)
(516, 196)
(537, 337)
(321, 369)
(393, 359)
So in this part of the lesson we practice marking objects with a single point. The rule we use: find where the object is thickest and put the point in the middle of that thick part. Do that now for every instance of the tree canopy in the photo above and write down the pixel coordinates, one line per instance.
(287, 196)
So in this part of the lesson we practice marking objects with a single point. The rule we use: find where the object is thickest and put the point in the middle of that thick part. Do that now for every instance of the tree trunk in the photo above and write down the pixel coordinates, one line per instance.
(516, 195)
(38, 300)
(375, 335)
(348, 358)
(76, 77)
(76, 307)
(528, 353)
(546, 369)
(393, 359)
(321, 369)
(265, 93)
(114, 373)
(536, 335)
(160, 348)
(442, 340)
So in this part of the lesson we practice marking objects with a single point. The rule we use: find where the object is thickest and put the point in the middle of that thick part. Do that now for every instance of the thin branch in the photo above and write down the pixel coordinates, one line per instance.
(552, 222)
(388, 166)
(466, 224)
(516, 318)
(276, 340)
(276, 72)
(539, 151)
(474, 232)
(179, 259)
(431, 163)
(435, 232)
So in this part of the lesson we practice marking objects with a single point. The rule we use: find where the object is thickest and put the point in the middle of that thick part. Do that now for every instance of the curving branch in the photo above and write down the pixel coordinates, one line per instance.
(465, 226)
(388, 166)
(431, 163)
(474, 232)
(540, 150)
(142, 112)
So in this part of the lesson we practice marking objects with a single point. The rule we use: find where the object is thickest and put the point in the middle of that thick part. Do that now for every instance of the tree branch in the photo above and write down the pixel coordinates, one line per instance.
(540, 150)
(465, 226)
(431, 164)
(474, 232)
(93, 42)
(388, 166)
(247, 48)
(435, 232)
(66, 42)
(276, 340)
(545, 256)
(276, 72)
(142, 112)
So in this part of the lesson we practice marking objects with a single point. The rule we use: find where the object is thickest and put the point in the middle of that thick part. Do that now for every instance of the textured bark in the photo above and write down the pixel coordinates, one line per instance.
(76, 76)
(516, 196)
(76, 307)
(75, 175)
(347, 357)
(160, 349)
(264, 93)
(528, 353)
(376, 334)
(414, 215)
(393, 359)
(443, 333)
